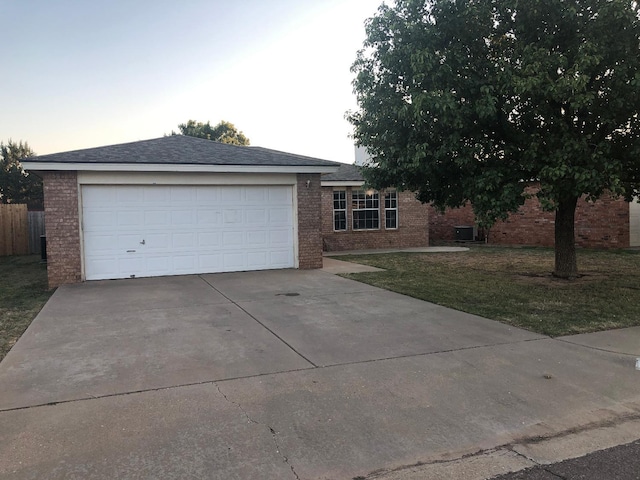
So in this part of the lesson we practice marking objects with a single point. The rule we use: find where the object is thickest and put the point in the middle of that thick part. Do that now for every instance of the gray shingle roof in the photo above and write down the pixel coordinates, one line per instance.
(183, 150)
(346, 173)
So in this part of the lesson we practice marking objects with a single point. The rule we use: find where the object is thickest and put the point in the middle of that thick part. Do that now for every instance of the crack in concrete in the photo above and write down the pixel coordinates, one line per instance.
(274, 434)
(285, 459)
(595, 348)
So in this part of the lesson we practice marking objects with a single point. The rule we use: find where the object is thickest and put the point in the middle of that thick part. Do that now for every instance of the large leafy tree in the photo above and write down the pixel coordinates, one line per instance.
(475, 100)
(224, 132)
(16, 185)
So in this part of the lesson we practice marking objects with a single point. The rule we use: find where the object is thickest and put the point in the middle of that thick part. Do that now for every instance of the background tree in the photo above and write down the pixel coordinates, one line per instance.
(224, 132)
(16, 185)
(465, 100)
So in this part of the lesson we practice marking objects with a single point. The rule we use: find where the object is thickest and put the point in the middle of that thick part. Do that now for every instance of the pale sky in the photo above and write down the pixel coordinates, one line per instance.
(79, 74)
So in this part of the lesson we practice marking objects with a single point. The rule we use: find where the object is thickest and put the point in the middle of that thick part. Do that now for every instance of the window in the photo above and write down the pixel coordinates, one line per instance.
(339, 210)
(366, 210)
(391, 210)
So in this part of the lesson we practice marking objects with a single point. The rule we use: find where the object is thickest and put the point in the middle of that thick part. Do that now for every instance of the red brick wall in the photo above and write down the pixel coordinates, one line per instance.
(62, 227)
(600, 224)
(412, 231)
(309, 234)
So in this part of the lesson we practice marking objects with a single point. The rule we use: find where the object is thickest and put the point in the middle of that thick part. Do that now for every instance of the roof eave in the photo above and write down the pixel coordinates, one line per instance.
(154, 167)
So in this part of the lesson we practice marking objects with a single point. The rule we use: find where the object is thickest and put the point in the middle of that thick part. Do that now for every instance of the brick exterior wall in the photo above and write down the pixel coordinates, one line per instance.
(412, 231)
(62, 227)
(309, 222)
(600, 224)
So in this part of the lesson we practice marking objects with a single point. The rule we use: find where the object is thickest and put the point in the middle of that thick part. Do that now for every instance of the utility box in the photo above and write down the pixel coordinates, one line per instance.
(464, 233)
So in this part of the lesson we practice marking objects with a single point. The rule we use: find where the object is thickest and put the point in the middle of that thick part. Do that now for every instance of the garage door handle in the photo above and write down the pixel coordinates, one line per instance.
(142, 242)
(131, 251)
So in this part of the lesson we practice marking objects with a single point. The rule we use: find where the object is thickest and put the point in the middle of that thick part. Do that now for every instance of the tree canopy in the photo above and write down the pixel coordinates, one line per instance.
(224, 132)
(468, 100)
(16, 185)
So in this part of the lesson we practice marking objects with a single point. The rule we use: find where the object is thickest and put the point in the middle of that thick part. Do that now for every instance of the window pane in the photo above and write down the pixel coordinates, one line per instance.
(391, 219)
(340, 220)
(366, 219)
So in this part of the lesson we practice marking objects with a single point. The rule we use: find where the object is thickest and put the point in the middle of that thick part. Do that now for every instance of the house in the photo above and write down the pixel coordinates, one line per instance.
(357, 219)
(606, 223)
(179, 205)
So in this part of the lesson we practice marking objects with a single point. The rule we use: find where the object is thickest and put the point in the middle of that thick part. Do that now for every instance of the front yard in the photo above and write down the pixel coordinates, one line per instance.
(515, 286)
(512, 285)
(23, 292)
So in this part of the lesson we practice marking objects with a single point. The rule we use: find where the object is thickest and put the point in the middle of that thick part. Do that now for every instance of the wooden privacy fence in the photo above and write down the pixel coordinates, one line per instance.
(14, 229)
(20, 231)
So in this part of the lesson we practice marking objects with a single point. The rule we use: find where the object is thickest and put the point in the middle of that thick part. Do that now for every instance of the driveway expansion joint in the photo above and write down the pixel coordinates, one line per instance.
(259, 322)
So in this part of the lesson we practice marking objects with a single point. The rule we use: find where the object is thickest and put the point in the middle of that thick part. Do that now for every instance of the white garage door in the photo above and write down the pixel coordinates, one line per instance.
(146, 231)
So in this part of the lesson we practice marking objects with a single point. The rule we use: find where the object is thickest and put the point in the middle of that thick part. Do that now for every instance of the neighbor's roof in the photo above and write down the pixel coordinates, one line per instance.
(177, 153)
(347, 173)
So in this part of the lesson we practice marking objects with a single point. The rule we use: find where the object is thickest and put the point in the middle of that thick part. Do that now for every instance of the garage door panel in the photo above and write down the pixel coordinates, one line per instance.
(207, 195)
(232, 216)
(279, 238)
(97, 219)
(230, 196)
(279, 195)
(232, 239)
(183, 217)
(102, 268)
(280, 259)
(184, 240)
(130, 218)
(257, 260)
(210, 262)
(256, 195)
(256, 217)
(186, 229)
(129, 195)
(157, 218)
(210, 240)
(126, 242)
(233, 261)
(279, 216)
(257, 238)
(101, 243)
(209, 217)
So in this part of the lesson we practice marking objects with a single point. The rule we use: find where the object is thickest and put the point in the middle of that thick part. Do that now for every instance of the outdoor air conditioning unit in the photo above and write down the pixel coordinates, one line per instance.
(465, 233)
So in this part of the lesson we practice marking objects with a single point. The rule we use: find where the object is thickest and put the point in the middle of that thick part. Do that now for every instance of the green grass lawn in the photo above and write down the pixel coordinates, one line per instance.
(23, 292)
(515, 286)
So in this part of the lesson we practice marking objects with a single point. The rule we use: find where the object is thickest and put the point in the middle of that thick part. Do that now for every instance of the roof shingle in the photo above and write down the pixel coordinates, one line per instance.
(183, 150)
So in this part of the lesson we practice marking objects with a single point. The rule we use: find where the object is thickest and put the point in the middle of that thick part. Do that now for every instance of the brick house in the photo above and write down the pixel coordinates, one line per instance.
(358, 219)
(606, 223)
(179, 205)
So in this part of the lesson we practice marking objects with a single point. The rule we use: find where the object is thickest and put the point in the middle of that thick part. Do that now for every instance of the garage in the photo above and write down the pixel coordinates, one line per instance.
(150, 230)
(179, 205)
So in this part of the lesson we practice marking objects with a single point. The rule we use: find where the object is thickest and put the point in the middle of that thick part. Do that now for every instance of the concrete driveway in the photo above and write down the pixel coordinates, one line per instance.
(289, 374)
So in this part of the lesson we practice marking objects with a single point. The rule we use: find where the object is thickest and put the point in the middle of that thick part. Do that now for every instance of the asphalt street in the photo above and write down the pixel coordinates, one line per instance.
(617, 463)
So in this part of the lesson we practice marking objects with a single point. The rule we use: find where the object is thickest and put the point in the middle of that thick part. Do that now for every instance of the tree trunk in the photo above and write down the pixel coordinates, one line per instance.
(566, 264)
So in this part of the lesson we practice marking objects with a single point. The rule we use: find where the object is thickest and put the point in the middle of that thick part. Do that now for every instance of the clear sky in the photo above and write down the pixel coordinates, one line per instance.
(80, 74)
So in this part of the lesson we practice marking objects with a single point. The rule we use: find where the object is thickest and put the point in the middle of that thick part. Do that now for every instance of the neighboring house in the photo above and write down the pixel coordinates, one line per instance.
(606, 223)
(357, 219)
(179, 205)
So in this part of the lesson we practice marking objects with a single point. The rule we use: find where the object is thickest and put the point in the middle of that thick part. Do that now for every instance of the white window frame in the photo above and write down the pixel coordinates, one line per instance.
(391, 199)
(340, 210)
(365, 201)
